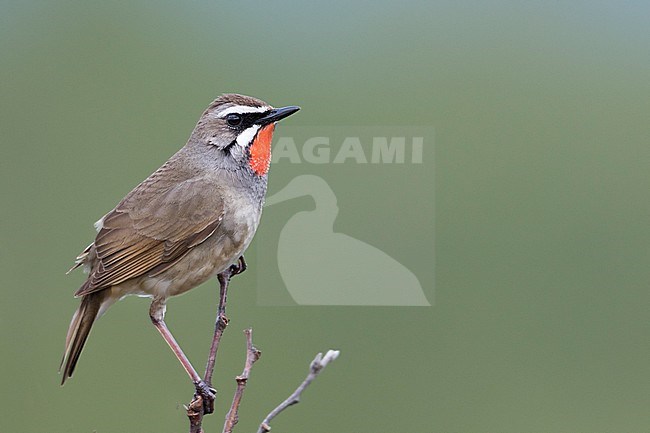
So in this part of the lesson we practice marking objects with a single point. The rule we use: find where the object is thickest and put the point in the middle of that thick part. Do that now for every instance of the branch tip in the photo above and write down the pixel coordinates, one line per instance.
(315, 367)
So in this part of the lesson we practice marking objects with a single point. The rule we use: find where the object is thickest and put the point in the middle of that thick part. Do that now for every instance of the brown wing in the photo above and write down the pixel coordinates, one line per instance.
(156, 225)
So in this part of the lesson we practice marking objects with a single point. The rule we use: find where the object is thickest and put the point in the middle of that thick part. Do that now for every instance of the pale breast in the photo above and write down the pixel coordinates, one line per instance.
(211, 257)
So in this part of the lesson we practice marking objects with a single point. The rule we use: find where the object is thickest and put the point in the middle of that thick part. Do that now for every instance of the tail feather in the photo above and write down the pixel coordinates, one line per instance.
(82, 322)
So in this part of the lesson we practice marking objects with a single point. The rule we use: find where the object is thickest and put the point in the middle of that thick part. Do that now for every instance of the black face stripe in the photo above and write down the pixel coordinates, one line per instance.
(249, 119)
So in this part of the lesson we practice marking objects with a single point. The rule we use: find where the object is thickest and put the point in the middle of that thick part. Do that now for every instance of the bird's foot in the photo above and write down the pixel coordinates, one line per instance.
(208, 395)
(239, 267)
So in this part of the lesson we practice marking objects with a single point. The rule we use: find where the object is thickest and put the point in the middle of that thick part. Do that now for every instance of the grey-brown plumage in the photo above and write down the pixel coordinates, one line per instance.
(187, 222)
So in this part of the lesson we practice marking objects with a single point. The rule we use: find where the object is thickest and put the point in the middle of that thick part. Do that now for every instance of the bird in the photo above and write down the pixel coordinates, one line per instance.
(189, 221)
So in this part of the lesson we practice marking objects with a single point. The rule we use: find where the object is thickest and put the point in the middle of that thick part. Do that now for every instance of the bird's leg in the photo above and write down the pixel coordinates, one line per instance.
(157, 315)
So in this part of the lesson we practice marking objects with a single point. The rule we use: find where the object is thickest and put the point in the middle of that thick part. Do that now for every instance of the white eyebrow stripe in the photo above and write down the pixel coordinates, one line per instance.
(239, 109)
(247, 136)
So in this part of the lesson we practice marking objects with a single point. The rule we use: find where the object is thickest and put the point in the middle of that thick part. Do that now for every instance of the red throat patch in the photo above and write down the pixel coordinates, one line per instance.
(261, 150)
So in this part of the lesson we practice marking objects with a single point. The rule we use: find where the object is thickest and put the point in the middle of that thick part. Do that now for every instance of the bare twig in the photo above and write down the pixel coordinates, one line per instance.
(252, 355)
(221, 321)
(219, 326)
(316, 366)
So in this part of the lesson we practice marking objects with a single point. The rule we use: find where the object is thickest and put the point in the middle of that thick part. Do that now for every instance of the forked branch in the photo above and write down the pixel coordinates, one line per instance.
(198, 408)
(252, 355)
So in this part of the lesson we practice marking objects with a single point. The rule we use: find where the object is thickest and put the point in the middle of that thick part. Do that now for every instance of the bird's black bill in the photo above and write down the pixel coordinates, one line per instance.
(277, 114)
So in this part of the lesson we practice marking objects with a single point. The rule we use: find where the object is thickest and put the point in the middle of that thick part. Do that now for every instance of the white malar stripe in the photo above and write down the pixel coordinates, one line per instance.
(247, 136)
(240, 109)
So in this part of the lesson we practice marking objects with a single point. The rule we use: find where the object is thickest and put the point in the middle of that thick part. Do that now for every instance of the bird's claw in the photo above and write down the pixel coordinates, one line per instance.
(208, 395)
(239, 267)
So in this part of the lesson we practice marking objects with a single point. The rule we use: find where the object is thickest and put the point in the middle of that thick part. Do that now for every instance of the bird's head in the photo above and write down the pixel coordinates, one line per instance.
(241, 127)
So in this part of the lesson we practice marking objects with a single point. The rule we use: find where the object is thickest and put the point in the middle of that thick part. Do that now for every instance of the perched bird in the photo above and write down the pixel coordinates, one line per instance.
(190, 220)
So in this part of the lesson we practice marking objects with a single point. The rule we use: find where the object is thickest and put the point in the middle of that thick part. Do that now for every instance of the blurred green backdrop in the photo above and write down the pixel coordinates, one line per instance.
(542, 240)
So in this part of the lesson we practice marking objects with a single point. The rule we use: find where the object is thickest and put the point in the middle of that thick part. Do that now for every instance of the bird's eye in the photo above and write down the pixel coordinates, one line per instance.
(233, 119)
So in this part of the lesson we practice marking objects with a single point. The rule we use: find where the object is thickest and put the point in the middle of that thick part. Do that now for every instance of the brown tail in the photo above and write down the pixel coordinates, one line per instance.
(82, 321)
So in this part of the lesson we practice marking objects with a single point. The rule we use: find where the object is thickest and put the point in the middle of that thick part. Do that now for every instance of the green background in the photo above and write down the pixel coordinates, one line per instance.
(542, 235)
